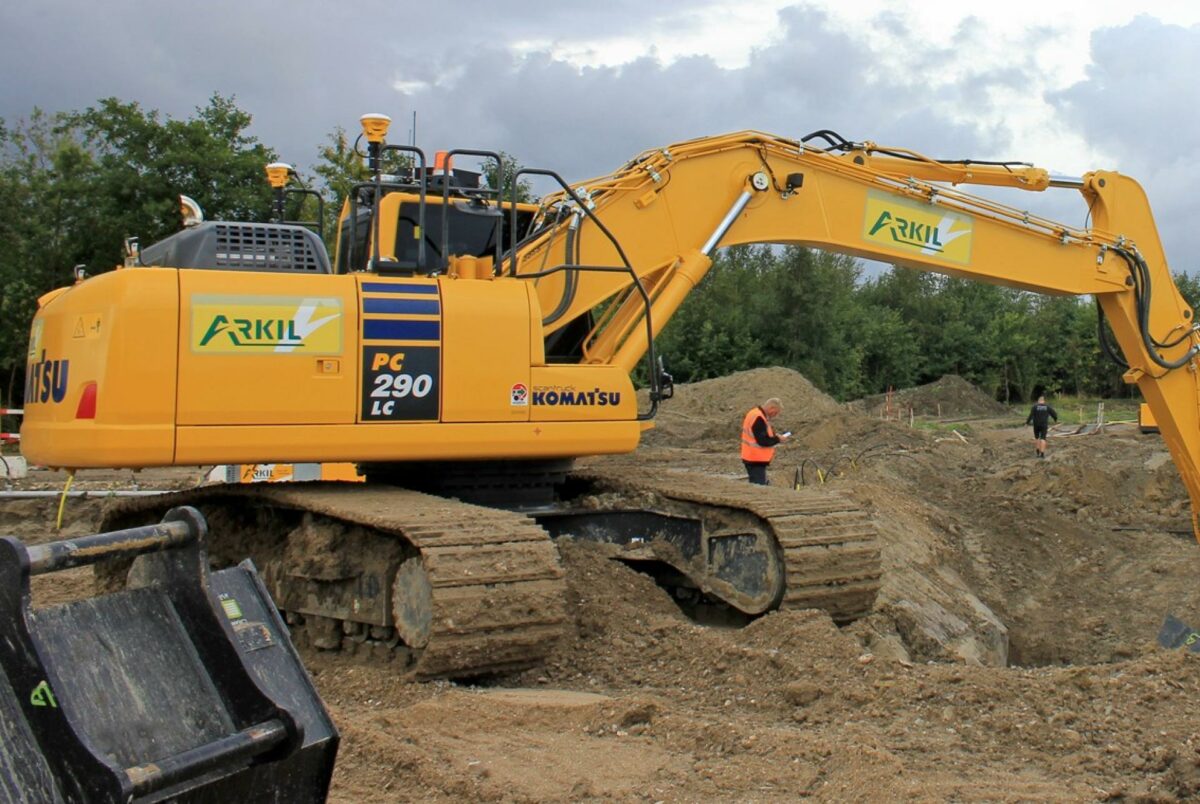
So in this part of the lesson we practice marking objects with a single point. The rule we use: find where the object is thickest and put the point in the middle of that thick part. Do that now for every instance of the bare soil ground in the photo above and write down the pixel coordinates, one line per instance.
(1010, 656)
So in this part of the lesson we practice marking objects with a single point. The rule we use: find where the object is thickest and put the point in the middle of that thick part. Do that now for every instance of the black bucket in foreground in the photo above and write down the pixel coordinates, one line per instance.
(184, 686)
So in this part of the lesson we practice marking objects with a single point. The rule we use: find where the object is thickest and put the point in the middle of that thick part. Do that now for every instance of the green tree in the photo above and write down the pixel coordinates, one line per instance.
(898, 300)
(511, 166)
(143, 163)
(341, 167)
(74, 185)
(1017, 354)
(1189, 288)
(813, 321)
(714, 332)
(892, 355)
(44, 208)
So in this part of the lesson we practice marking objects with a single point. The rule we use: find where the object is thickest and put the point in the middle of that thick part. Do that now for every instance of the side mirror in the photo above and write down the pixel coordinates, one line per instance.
(666, 383)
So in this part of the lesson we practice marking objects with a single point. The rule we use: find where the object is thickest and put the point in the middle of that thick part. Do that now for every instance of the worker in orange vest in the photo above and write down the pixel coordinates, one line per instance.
(759, 439)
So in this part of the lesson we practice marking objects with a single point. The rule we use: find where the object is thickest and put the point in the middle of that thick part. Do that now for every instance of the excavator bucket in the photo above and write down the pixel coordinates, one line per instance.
(184, 686)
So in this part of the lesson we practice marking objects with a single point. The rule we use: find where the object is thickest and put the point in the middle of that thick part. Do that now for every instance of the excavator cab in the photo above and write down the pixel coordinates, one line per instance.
(428, 220)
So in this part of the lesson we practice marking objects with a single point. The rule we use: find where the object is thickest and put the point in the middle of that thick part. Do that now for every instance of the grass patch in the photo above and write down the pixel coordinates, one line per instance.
(1083, 410)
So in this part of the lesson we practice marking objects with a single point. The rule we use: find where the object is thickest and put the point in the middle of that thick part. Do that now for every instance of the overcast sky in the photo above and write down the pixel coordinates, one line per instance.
(580, 87)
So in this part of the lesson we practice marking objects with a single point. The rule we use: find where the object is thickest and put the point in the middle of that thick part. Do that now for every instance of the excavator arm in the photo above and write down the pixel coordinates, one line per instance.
(662, 215)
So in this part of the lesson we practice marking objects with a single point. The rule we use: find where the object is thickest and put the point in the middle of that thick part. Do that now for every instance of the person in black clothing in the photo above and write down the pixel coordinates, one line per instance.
(1039, 416)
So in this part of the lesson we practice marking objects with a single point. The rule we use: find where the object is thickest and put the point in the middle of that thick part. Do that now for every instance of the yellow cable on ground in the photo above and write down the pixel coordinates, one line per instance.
(62, 501)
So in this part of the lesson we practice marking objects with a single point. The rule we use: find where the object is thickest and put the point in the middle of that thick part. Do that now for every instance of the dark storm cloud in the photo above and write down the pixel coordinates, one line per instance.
(589, 121)
(303, 67)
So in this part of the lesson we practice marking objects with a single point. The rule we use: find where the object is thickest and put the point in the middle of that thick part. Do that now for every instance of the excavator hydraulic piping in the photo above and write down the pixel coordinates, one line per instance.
(1059, 180)
(656, 393)
(585, 208)
(725, 223)
(651, 355)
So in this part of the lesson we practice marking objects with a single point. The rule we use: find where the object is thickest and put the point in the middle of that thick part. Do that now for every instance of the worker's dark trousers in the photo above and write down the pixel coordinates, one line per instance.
(757, 473)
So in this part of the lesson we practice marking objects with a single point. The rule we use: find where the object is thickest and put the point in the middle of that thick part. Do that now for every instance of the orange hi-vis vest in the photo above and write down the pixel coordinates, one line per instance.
(751, 451)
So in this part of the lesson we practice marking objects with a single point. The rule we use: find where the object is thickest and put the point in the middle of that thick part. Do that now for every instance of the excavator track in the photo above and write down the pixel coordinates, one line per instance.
(827, 547)
(451, 589)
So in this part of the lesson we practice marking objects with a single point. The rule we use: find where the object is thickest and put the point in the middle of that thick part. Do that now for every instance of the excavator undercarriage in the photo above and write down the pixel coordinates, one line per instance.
(445, 588)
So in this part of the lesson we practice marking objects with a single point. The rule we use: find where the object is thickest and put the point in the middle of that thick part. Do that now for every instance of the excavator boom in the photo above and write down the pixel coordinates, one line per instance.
(670, 208)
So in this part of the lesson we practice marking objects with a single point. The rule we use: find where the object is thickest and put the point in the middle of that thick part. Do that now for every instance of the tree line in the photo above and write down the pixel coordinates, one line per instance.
(74, 185)
(853, 335)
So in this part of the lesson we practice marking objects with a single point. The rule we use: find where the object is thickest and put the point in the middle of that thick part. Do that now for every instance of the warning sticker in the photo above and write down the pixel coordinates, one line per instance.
(87, 326)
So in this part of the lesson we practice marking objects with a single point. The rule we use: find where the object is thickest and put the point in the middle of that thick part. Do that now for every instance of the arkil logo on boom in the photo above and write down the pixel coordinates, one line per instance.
(266, 325)
(920, 228)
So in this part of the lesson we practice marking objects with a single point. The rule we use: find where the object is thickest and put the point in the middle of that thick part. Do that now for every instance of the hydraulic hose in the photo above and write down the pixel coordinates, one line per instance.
(571, 278)
(1140, 274)
(1105, 345)
(839, 143)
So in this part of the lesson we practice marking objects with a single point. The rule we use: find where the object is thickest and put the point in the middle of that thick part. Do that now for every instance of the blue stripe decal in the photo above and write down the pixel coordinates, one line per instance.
(401, 306)
(387, 330)
(399, 287)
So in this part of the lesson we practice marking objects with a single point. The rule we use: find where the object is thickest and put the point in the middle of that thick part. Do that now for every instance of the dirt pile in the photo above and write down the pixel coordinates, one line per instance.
(628, 633)
(707, 416)
(709, 413)
(950, 397)
(641, 704)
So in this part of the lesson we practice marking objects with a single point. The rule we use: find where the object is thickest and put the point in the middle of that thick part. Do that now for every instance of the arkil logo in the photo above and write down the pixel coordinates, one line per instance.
(266, 324)
(911, 232)
(919, 228)
(253, 332)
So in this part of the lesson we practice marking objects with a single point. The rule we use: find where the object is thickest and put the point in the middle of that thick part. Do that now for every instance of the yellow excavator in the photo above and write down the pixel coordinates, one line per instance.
(462, 349)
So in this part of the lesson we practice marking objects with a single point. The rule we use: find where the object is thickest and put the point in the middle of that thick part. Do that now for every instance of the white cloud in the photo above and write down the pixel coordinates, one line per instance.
(410, 87)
